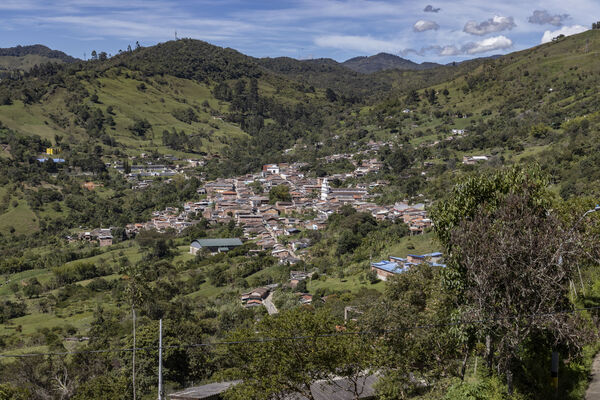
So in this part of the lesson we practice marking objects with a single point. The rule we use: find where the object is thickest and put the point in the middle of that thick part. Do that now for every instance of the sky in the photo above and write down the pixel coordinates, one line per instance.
(439, 31)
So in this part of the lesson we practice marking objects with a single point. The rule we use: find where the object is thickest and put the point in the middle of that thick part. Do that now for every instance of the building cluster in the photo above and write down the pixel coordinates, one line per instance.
(103, 237)
(142, 171)
(168, 219)
(397, 265)
(244, 200)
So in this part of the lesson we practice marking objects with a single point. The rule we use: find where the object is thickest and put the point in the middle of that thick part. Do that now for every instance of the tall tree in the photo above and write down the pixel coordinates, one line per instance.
(510, 263)
(302, 348)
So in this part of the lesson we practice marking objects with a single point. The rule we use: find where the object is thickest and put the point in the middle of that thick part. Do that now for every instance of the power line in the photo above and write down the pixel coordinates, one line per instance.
(294, 338)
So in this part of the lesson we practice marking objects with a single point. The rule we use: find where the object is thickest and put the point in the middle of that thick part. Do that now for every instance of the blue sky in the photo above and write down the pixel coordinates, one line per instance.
(429, 30)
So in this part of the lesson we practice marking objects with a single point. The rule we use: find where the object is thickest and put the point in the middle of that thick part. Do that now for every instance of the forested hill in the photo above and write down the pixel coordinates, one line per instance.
(218, 101)
(15, 60)
(213, 99)
(36, 49)
(383, 61)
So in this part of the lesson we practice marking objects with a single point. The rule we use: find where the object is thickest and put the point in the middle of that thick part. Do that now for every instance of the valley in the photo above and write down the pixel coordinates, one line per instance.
(244, 201)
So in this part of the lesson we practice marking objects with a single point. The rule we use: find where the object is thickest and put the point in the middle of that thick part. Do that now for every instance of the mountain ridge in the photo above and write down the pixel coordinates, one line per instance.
(384, 61)
(36, 49)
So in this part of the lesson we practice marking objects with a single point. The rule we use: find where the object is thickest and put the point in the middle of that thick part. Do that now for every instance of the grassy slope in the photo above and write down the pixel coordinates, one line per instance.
(24, 63)
(21, 218)
(79, 314)
(532, 72)
(155, 103)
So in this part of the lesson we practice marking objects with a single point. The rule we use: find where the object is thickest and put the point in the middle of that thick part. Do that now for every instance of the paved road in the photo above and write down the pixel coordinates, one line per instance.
(593, 391)
(268, 302)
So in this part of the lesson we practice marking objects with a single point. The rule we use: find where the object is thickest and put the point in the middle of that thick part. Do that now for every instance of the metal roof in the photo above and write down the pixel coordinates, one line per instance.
(437, 254)
(218, 242)
(388, 266)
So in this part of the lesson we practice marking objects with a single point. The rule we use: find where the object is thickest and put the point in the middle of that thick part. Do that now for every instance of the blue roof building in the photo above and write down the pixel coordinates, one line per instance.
(385, 269)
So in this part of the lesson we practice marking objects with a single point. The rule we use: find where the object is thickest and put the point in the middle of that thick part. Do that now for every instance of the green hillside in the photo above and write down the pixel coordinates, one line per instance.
(189, 99)
(23, 63)
(23, 58)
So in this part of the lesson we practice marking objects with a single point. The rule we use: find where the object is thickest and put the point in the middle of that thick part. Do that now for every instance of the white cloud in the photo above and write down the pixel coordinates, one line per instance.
(492, 25)
(422, 26)
(542, 17)
(565, 30)
(489, 44)
(450, 51)
(365, 44)
(472, 48)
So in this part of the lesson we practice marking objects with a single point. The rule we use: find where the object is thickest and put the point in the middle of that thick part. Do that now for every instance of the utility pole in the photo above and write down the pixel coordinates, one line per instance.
(554, 372)
(133, 353)
(160, 360)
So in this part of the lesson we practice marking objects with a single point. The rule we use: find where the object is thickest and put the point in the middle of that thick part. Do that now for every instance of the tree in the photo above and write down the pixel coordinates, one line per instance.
(511, 262)
(8, 392)
(408, 357)
(431, 96)
(94, 55)
(413, 97)
(301, 287)
(33, 288)
(478, 191)
(518, 265)
(399, 160)
(276, 368)
(596, 25)
(330, 95)
(280, 193)
(126, 166)
(108, 386)
(347, 242)
(140, 127)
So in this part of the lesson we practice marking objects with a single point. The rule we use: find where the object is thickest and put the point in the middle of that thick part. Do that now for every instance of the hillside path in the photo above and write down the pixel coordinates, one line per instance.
(268, 302)
(593, 390)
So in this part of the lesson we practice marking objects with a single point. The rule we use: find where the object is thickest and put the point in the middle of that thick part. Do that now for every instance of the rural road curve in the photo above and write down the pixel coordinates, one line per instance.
(271, 309)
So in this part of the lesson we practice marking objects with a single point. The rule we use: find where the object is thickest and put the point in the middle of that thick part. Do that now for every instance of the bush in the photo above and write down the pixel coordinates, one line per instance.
(486, 389)
(140, 127)
(77, 272)
(187, 115)
(372, 277)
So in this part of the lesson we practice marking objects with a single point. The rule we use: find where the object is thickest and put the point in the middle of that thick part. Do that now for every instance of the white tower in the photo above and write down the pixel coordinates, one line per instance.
(324, 189)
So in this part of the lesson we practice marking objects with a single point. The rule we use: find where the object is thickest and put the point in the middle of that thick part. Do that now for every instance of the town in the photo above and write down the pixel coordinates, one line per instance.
(246, 201)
